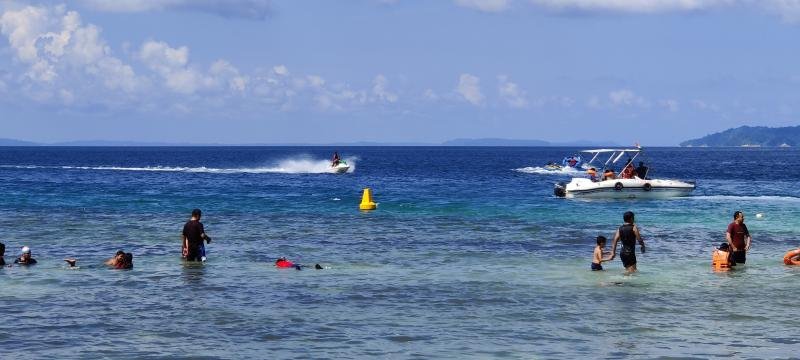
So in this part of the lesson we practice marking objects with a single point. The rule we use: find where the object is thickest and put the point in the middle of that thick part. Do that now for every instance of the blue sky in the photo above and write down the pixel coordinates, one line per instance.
(256, 71)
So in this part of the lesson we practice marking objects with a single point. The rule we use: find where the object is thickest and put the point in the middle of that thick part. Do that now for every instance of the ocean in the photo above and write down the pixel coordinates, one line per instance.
(468, 255)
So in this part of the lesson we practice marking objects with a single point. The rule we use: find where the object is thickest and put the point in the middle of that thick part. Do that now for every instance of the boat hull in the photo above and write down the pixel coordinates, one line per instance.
(340, 169)
(624, 189)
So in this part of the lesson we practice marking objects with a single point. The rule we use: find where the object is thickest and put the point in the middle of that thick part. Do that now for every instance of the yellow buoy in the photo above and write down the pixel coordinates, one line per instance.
(366, 201)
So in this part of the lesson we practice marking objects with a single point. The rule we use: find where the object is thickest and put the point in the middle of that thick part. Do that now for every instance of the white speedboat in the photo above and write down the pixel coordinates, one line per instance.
(622, 185)
(340, 168)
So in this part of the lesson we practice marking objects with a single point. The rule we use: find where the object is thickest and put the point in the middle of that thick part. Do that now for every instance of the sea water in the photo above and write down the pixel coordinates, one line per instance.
(469, 255)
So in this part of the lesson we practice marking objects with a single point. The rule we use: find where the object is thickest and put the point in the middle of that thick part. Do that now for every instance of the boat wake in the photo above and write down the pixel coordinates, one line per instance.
(544, 171)
(286, 166)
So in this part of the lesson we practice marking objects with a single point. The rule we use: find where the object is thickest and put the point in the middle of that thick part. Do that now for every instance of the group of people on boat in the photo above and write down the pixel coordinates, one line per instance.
(729, 254)
(628, 172)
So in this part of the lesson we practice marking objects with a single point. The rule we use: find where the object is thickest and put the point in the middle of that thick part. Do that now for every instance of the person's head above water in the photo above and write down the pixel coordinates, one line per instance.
(2, 249)
(601, 240)
(628, 217)
(724, 247)
(196, 213)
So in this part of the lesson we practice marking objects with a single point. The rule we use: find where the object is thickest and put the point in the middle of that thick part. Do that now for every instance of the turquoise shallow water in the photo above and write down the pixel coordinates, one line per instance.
(468, 256)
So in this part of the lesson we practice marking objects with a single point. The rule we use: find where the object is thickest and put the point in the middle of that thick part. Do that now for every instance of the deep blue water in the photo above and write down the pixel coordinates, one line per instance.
(468, 255)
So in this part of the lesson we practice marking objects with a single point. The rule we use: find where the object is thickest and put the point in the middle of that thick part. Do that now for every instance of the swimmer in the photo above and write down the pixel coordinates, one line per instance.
(26, 258)
(597, 256)
(282, 262)
(2, 254)
(116, 260)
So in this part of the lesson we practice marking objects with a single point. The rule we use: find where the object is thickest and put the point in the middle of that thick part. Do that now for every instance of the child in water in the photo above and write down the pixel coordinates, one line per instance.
(597, 257)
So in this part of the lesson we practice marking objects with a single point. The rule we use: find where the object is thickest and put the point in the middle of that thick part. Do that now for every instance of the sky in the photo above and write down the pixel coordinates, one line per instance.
(656, 72)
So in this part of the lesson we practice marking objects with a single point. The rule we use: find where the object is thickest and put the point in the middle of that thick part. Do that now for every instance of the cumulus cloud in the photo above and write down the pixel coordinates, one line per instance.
(485, 5)
(625, 97)
(250, 9)
(632, 6)
(511, 93)
(671, 104)
(380, 92)
(469, 88)
(56, 46)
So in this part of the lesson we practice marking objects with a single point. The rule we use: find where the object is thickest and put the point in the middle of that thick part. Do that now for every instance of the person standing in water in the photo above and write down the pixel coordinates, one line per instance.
(629, 234)
(738, 238)
(193, 236)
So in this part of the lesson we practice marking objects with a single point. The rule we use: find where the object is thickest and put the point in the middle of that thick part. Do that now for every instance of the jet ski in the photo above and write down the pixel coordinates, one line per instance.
(340, 168)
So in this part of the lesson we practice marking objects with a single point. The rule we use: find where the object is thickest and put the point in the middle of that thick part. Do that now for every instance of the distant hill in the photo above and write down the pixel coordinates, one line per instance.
(750, 136)
(12, 142)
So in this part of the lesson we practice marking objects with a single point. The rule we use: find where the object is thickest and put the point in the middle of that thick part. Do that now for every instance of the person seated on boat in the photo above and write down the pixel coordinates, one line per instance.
(592, 174)
(336, 159)
(627, 172)
(641, 171)
(609, 174)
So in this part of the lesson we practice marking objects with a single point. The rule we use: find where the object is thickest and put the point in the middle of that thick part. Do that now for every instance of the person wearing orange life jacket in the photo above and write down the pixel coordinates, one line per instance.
(721, 258)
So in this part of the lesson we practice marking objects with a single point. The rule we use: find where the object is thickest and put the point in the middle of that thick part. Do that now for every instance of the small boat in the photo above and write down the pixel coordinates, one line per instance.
(552, 166)
(573, 161)
(622, 185)
(340, 168)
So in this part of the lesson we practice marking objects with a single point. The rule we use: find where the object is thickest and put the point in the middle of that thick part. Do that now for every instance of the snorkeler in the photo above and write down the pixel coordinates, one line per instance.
(26, 258)
(282, 262)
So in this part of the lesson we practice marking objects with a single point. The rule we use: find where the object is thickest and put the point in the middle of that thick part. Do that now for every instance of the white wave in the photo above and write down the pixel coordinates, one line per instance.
(544, 171)
(287, 166)
(745, 198)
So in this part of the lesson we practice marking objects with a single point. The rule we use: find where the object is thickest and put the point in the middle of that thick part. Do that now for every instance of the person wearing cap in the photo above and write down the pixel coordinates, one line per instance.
(193, 236)
(26, 258)
(738, 238)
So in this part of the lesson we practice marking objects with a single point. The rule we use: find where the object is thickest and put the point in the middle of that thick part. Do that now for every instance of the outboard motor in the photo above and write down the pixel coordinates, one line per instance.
(560, 190)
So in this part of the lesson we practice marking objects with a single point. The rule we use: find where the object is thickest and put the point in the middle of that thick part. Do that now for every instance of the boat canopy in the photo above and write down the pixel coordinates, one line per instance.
(616, 154)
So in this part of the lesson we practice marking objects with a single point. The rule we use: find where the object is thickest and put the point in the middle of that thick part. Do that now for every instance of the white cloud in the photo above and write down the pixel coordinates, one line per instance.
(485, 5)
(56, 46)
(632, 6)
(671, 104)
(469, 88)
(511, 93)
(172, 64)
(625, 97)
(431, 95)
(380, 91)
(251, 9)
(280, 70)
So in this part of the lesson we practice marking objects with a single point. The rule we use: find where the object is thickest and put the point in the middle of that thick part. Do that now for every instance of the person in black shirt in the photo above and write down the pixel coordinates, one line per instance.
(641, 171)
(193, 236)
(26, 258)
(628, 233)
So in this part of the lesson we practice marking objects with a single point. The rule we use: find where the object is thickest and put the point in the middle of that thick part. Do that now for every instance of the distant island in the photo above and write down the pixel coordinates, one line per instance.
(454, 142)
(750, 136)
